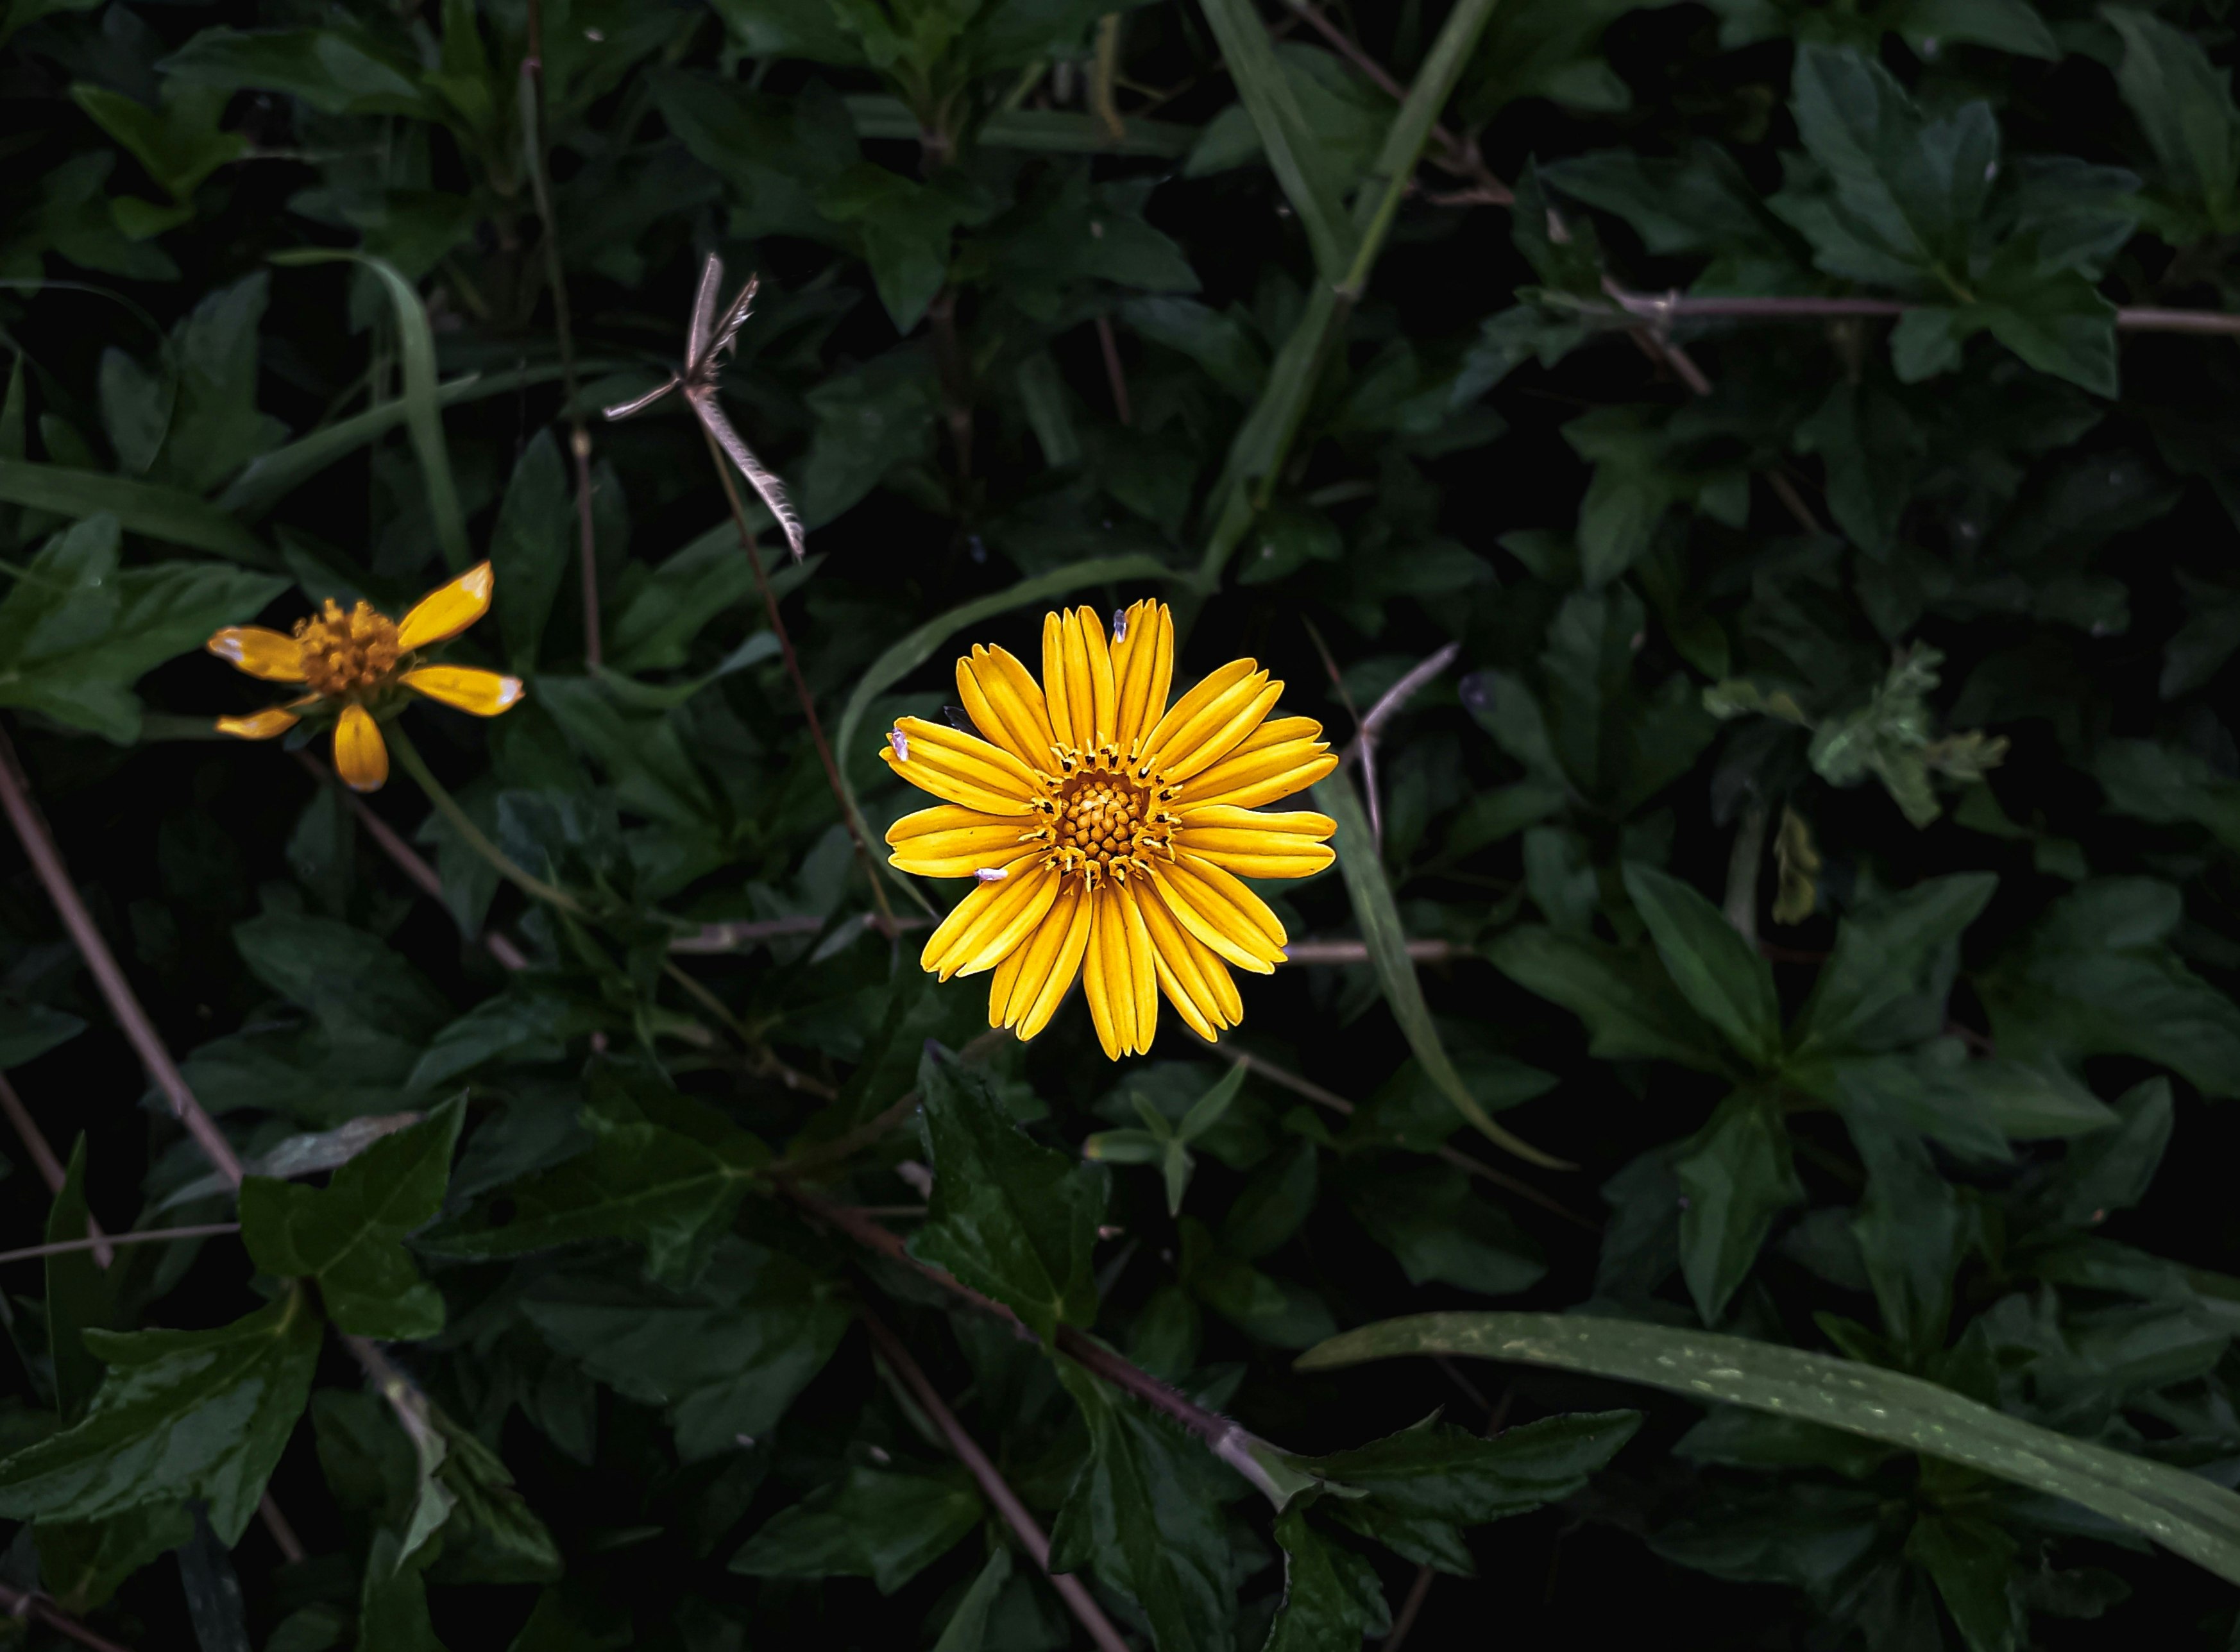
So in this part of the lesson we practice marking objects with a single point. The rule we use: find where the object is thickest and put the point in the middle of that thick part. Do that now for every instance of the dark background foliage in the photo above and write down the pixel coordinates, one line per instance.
(1811, 429)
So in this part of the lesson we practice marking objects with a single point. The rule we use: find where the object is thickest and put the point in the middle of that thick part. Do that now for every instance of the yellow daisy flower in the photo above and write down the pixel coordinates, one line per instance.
(1108, 829)
(362, 660)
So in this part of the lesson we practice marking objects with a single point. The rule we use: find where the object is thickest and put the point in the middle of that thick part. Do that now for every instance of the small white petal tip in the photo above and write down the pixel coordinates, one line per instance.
(992, 873)
(1119, 625)
(900, 741)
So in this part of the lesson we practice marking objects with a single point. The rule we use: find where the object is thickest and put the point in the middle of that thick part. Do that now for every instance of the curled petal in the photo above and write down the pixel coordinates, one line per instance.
(1006, 704)
(361, 755)
(1283, 756)
(1221, 912)
(266, 725)
(949, 841)
(1054, 960)
(274, 656)
(484, 693)
(447, 610)
(1142, 668)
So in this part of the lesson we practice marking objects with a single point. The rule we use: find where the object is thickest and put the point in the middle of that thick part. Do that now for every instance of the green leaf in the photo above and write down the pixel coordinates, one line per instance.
(1331, 1596)
(337, 68)
(1379, 921)
(393, 1602)
(2187, 1514)
(1908, 192)
(1631, 1007)
(1737, 1175)
(83, 1563)
(1886, 982)
(725, 1358)
(1144, 1515)
(1911, 1230)
(1012, 1219)
(423, 414)
(1723, 976)
(1438, 1229)
(168, 514)
(1969, 1559)
(661, 1171)
(76, 630)
(181, 1414)
(350, 1234)
(29, 1031)
(532, 547)
(2095, 976)
(967, 1628)
(1437, 1471)
(2184, 106)
(81, 1294)
(888, 1527)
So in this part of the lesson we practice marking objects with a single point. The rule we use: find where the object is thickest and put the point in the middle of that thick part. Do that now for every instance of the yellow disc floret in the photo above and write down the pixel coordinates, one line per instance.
(352, 653)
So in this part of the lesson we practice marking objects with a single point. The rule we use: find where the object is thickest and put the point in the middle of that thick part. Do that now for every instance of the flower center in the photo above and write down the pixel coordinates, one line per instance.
(1101, 821)
(347, 653)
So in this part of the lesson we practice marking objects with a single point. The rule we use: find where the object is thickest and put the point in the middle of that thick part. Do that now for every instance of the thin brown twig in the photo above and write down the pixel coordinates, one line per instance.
(1357, 951)
(49, 1167)
(1458, 155)
(1114, 374)
(735, 935)
(1005, 1501)
(1405, 1620)
(1233, 1445)
(151, 1235)
(47, 861)
(579, 439)
(23, 1606)
(283, 1534)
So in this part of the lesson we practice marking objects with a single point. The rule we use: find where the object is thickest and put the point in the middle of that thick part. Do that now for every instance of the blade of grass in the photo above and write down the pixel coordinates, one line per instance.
(916, 648)
(271, 478)
(1257, 451)
(2185, 1513)
(424, 417)
(1302, 163)
(1373, 909)
(168, 514)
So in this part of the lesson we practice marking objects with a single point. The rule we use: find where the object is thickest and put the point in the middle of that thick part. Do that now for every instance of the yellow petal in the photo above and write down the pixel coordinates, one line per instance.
(959, 767)
(1192, 978)
(1141, 967)
(447, 610)
(1253, 844)
(1047, 975)
(1219, 728)
(484, 693)
(1011, 907)
(1006, 980)
(1142, 670)
(1006, 704)
(949, 841)
(260, 725)
(1179, 716)
(361, 758)
(1118, 1001)
(1221, 912)
(1077, 678)
(273, 655)
(1264, 769)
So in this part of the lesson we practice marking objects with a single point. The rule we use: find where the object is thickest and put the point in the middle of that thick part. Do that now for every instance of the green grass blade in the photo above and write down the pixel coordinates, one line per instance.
(272, 476)
(1302, 164)
(1257, 451)
(423, 415)
(916, 648)
(2184, 1513)
(1373, 909)
(168, 514)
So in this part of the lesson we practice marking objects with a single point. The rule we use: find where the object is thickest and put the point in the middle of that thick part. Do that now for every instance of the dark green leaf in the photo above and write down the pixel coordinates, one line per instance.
(1331, 1596)
(1738, 1177)
(888, 1527)
(350, 1234)
(1012, 1218)
(1724, 977)
(199, 1413)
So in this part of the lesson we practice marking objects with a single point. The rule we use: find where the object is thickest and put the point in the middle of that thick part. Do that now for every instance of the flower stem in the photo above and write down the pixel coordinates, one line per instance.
(471, 834)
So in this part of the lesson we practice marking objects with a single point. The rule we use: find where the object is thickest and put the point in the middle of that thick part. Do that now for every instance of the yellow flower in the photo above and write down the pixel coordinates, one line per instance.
(1108, 829)
(360, 661)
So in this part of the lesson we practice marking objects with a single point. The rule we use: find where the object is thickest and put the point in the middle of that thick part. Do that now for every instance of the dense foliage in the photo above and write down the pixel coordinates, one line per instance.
(1749, 484)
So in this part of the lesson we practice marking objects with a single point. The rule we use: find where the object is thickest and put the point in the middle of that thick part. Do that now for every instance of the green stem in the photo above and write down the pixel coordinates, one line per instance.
(471, 834)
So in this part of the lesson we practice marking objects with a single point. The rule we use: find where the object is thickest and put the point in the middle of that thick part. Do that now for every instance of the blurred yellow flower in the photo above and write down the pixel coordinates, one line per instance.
(1108, 829)
(359, 661)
